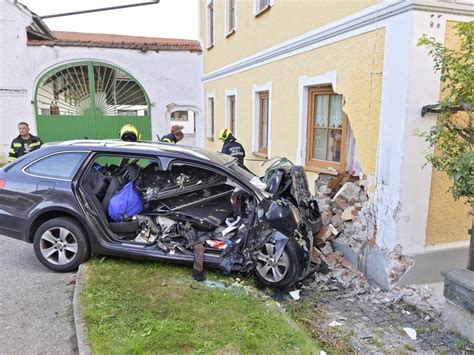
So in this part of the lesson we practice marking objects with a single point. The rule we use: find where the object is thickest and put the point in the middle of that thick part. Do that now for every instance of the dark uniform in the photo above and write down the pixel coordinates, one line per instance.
(234, 148)
(21, 147)
(169, 138)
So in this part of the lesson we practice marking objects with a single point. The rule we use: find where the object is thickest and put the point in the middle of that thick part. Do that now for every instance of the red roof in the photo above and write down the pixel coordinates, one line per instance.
(102, 40)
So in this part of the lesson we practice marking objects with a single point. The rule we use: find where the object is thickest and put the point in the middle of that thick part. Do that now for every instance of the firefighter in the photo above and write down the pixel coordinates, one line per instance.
(173, 137)
(129, 133)
(24, 143)
(231, 146)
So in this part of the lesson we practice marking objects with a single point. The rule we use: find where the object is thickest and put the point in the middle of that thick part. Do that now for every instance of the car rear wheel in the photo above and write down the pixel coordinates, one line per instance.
(60, 244)
(281, 273)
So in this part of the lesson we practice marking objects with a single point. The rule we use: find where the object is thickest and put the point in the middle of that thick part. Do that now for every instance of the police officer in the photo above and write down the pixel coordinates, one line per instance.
(173, 137)
(24, 143)
(231, 146)
(129, 133)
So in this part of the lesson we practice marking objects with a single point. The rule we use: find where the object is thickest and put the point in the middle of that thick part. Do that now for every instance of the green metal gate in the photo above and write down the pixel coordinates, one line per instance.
(89, 100)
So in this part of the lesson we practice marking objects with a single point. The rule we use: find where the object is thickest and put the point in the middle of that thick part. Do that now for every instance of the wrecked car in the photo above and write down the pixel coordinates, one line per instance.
(155, 201)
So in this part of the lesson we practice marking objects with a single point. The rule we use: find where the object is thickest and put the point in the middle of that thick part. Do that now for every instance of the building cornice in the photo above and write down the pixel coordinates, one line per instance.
(368, 18)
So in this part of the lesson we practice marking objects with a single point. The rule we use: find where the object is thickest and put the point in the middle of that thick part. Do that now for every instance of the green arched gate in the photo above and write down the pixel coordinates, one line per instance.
(89, 100)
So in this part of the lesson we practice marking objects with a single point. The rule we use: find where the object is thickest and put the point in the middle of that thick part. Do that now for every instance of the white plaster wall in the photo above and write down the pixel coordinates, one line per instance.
(15, 91)
(396, 71)
(167, 77)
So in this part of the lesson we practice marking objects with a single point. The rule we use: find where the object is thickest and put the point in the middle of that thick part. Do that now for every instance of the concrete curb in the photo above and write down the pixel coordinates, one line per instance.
(80, 324)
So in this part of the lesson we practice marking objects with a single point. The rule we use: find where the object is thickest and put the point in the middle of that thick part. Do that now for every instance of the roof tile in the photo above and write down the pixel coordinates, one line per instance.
(103, 40)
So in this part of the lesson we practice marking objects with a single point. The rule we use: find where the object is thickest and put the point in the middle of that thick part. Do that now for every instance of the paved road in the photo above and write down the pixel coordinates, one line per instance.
(35, 304)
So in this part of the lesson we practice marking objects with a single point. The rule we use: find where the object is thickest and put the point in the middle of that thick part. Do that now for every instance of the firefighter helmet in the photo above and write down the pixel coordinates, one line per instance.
(129, 133)
(224, 134)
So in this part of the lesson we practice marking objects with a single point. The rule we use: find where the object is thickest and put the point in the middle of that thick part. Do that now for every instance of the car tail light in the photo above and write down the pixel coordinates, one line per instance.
(2, 183)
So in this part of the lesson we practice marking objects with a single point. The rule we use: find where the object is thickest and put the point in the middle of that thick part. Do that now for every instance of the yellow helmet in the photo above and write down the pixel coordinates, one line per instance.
(129, 133)
(224, 134)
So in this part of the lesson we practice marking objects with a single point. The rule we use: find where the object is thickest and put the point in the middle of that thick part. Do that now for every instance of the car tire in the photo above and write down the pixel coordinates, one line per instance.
(288, 269)
(61, 245)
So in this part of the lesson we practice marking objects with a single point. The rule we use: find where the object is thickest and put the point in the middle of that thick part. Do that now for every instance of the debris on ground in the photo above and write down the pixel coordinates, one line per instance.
(295, 295)
(374, 320)
(410, 332)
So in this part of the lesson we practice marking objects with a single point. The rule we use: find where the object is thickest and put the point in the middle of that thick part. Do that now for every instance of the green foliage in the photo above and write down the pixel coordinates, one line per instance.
(153, 308)
(451, 139)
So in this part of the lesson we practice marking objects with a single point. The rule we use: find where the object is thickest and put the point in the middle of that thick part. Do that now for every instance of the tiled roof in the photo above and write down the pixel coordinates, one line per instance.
(102, 40)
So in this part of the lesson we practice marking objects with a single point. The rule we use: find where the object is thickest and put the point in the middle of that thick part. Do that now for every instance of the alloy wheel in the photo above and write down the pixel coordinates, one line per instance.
(58, 246)
(270, 269)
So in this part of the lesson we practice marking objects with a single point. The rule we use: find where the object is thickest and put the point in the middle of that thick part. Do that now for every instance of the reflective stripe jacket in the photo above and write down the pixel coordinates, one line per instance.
(234, 148)
(169, 138)
(21, 147)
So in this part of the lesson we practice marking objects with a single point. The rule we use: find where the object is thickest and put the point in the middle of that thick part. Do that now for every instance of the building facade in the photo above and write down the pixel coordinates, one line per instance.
(70, 85)
(339, 86)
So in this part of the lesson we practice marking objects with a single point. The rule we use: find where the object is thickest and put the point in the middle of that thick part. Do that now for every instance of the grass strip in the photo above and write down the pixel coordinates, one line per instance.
(152, 308)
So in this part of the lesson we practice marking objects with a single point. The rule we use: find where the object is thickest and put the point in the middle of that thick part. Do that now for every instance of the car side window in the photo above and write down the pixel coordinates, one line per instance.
(61, 165)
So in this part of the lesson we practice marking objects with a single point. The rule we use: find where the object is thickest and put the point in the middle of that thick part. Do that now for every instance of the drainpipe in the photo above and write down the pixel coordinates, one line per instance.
(153, 2)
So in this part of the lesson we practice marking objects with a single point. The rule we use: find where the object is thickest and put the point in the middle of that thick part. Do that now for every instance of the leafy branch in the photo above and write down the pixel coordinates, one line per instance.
(451, 139)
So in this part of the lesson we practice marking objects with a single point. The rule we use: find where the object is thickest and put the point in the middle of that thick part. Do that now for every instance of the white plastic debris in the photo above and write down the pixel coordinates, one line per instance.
(295, 295)
(322, 352)
(258, 183)
(335, 323)
(410, 332)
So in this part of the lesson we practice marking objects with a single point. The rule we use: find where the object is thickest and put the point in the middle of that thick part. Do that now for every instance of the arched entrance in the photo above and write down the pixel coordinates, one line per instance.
(189, 116)
(89, 99)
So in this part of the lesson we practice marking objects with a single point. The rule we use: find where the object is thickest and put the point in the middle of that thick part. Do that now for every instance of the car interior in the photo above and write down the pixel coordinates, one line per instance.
(181, 204)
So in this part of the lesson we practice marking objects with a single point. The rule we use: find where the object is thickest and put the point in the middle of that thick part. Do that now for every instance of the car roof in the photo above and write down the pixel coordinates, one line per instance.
(143, 147)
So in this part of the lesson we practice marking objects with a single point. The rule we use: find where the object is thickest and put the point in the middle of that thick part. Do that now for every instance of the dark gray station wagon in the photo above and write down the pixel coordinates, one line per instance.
(59, 198)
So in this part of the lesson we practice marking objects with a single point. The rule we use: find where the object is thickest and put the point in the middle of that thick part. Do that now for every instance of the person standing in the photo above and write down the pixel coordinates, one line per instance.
(231, 146)
(24, 143)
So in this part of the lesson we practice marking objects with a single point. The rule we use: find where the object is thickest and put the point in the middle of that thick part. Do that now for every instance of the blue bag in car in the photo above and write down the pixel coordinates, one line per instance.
(125, 203)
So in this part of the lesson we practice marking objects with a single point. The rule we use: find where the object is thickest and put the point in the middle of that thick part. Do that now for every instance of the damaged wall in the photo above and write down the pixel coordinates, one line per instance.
(351, 59)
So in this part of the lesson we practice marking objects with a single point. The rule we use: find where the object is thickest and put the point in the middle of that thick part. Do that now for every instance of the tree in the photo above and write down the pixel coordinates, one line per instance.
(451, 139)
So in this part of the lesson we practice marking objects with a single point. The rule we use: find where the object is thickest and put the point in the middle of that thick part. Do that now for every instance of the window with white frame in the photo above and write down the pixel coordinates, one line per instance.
(210, 118)
(231, 16)
(210, 23)
(260, 6)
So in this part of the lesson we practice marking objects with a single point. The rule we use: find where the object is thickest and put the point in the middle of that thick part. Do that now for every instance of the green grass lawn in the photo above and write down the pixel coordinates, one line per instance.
(148, 308)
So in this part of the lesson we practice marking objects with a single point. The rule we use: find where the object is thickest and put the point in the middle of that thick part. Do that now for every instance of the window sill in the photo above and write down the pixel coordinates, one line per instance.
(316, 169)
(263, 10)
(260, 155)
(210, 47)
(211, 139)
(230, 33)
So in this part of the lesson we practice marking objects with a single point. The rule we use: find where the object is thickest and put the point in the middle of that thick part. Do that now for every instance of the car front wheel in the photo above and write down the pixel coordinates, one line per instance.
(281, 273)
(60, 244)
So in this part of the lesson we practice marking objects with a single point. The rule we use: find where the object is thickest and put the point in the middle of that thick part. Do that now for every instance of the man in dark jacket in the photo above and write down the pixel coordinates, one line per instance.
(24, 143)
(173, 137)
(231, 146)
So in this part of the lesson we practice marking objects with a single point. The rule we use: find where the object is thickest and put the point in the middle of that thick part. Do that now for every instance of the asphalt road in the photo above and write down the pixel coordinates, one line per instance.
(36, 314)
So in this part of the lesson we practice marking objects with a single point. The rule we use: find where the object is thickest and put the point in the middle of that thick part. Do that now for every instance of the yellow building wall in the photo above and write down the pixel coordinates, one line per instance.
(351, 59)
(448, 220)
(284, 20)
